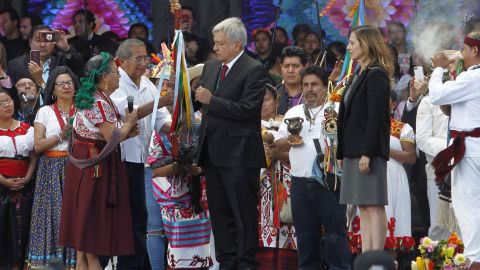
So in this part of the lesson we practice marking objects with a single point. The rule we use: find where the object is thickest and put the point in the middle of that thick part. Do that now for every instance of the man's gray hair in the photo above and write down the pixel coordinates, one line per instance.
(125, 48)
(234, 29)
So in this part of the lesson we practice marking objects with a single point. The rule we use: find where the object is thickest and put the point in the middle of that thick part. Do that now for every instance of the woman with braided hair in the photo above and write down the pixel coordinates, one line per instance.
(95, 216)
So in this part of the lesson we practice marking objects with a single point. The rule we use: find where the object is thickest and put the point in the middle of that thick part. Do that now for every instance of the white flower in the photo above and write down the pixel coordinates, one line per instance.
(414, 265)
(459, 259)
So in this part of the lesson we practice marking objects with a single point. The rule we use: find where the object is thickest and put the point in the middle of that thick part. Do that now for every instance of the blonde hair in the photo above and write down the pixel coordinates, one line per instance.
(377, 52)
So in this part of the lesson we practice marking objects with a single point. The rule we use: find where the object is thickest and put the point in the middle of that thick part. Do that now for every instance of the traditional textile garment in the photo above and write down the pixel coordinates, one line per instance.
(274, 191)
(431, 138)
(47, 204)
(463, 95)
(96, 210)
(15, 206)
(188, 233)
(398, 209)
(277, 239)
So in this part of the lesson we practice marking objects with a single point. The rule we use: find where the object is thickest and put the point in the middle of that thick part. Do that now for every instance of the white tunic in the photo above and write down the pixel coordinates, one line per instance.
(397, 187)
(431, 137)
(464, 96)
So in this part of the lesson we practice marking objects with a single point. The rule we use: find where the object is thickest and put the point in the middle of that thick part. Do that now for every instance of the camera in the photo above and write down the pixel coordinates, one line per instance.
(48, 36)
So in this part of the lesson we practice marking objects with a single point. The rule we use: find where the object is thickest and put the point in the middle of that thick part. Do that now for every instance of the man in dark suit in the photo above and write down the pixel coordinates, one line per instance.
(230, 148)
(85, 40)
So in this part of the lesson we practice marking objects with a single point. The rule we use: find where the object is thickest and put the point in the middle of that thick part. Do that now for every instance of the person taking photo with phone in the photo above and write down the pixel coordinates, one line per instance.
(49, 55)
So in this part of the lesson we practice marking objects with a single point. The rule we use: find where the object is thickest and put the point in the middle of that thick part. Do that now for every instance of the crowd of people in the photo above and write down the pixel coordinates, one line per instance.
(271, 172)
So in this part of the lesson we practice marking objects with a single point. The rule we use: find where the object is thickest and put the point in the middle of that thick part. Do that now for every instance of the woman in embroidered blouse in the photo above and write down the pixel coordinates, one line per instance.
(52, 126)
(95, 217)
(17, 166)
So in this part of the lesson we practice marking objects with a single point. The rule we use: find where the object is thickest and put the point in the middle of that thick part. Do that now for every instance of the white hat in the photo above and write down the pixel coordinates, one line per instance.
(194, 72)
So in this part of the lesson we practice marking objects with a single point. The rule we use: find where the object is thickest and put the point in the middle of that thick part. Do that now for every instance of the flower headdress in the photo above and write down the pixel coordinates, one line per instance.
(261, 30)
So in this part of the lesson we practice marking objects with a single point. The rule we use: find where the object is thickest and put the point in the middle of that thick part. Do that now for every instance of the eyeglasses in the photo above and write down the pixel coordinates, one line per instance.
(65, 83)
(140, 59)
(6, 102)
(25, 84)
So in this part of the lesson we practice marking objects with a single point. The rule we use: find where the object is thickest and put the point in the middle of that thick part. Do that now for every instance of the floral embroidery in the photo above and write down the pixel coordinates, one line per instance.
(396, 127)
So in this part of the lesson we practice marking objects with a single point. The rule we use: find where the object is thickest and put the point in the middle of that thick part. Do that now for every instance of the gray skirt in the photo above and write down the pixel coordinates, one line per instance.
(364, 189)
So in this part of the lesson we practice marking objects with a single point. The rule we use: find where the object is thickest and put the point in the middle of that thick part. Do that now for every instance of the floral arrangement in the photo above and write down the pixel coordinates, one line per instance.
(443, 254)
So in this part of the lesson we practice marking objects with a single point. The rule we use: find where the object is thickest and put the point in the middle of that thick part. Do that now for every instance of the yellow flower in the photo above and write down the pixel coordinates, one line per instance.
(414, 266)
(459, 259)
(448, 261)
(420, 263)
(443, 251)
(450, 251)
(426, 242)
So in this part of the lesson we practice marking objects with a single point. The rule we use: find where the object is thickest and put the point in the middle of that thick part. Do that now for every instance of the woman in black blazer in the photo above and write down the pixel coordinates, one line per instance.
(364, 133)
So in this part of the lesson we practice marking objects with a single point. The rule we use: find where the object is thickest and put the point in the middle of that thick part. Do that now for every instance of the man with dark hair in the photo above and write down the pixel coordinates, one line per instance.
(52, 54)
(463, 97)
(12, 41)
(140, 31)
(318, 217)
(148, 229)
(293, 59)
(27, 22)
(85, 40)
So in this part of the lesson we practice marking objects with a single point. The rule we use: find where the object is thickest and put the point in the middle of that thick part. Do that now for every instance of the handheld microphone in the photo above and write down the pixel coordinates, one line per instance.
(24, 96)
(130, 103)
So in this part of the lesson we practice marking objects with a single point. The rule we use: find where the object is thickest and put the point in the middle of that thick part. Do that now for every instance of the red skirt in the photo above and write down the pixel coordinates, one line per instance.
(96, 214)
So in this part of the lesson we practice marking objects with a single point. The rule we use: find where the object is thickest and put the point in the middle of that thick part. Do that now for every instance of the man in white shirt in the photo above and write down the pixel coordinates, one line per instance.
(463, 95)
(313, 205)
(134, 61)
(431, 137)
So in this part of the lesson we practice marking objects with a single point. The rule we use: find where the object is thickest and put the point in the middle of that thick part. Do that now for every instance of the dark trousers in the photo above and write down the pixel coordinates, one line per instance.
(232, 202)
(312, 207)
(136, 186)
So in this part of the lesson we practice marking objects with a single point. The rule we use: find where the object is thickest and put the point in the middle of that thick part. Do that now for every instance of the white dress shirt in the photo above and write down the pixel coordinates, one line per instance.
(136, 149)
(432, 129)
(464, 96)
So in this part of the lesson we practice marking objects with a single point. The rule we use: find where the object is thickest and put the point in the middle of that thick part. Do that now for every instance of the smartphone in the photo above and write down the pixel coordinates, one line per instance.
(35, 56)
(185, 18)
(418, 72)
(48, 36)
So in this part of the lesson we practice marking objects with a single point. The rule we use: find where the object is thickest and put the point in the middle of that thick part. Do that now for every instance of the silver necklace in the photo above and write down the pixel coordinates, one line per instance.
(311, 119)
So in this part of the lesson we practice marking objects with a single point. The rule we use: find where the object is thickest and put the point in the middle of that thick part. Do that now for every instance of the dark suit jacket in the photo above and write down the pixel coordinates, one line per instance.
(364, 121)
(86, 48)
(231, 122)
(18, 67)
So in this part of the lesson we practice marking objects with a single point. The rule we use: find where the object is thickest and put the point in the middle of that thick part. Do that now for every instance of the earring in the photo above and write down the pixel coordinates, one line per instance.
(54, 96)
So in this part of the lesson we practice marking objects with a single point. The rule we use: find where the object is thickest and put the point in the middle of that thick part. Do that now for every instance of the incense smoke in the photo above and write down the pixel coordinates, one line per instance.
(435, 37)
(438, 26)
